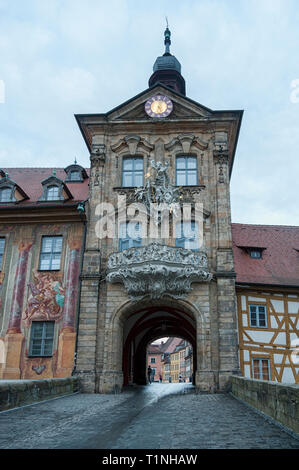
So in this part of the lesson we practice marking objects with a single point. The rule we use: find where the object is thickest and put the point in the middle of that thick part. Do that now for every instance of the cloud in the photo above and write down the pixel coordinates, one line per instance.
(59, 58)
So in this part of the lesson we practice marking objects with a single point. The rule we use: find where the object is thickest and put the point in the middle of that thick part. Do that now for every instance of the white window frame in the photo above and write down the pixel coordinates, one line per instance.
(187, 172)
(43, 338)
(52, 197)
(257, 306)
(53, 254)
(134, 173)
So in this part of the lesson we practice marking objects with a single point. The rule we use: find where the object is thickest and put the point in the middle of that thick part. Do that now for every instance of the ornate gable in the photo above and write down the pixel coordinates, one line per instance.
(183, 108)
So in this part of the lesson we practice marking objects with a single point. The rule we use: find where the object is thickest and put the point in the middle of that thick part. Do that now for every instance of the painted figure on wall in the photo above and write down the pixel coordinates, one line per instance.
(46, 299)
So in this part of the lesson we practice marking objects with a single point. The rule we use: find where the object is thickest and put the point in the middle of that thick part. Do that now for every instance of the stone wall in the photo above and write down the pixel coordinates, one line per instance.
(279, 401)
(14, 393)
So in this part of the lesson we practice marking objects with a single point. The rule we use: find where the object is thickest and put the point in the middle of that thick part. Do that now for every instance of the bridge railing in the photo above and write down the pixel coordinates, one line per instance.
(279, 401)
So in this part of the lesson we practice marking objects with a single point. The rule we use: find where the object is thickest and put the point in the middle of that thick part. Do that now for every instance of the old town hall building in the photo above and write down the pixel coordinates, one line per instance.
(75, 302)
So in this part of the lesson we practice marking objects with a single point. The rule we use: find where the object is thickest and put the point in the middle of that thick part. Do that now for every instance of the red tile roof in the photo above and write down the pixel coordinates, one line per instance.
(279, 264)
(29, 179)
(170, 345)
(154, 349)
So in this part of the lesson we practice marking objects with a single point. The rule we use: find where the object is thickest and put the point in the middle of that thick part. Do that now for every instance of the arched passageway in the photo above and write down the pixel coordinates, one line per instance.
(145, 326)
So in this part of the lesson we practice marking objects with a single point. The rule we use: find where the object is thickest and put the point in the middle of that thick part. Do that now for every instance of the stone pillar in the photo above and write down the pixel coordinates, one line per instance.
(13, 340)
(225, 275)
(67, 336)
(90, 277)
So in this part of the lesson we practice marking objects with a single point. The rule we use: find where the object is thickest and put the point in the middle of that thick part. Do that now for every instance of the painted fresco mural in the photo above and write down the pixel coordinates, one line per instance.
(46, 299)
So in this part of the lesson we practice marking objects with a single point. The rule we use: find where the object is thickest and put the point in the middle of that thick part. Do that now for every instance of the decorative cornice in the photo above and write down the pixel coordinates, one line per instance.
(157, 270)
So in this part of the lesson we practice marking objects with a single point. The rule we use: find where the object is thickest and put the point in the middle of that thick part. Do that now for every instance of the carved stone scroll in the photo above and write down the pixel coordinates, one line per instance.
(157, 270)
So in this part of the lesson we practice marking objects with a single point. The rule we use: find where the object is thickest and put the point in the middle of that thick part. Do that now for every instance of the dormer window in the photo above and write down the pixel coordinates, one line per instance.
(10, 191)
(75, 173)
(52, 193)
(253, 252)
(54, 189)
(5, 195)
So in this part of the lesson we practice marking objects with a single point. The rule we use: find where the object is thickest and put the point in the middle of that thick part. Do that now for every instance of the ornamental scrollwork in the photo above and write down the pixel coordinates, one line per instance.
(157, 270)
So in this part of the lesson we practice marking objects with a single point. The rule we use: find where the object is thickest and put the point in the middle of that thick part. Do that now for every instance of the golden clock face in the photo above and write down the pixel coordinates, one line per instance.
(158, 106)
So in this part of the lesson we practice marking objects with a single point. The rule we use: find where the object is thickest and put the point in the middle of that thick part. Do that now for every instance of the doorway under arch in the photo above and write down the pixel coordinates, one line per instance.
(144, 326)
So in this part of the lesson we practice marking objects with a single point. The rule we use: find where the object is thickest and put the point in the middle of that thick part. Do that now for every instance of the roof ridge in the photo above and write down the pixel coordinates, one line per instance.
(265, 225)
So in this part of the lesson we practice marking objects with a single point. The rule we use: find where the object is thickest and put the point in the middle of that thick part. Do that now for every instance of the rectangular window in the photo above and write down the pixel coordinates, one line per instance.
(255, 254)
(50, 253)
(129, 236)
(42, 337)
(75, 175)
(153, 360)
(186, 171)
(261, 369)
(2, 247)
(187, 235)
(258, 316)
(132, 172)
(52, 193)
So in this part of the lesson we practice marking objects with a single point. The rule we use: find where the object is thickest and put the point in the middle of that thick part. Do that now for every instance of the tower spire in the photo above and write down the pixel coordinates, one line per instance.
(167, 40)
(167, 69)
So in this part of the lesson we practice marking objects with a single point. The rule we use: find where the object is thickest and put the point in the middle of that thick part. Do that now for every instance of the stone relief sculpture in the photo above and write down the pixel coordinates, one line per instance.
(157, 270)
(159, 191)
(46, 299)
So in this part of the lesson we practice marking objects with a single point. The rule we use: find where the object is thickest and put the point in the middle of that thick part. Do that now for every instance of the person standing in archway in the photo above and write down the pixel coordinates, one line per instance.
(149, 374)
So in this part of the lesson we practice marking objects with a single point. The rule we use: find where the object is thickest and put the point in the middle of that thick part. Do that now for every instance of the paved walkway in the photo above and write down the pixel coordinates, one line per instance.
(158, 416)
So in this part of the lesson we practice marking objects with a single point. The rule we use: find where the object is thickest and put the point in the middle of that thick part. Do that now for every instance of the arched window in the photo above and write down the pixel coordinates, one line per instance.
(5, 194)
(52, 193)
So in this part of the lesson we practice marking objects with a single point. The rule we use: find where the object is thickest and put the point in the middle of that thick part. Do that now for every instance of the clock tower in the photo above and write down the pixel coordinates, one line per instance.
(140, 282)
(167, 69)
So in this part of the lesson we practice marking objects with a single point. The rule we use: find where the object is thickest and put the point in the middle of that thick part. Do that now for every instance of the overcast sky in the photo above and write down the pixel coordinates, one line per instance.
(63, 57)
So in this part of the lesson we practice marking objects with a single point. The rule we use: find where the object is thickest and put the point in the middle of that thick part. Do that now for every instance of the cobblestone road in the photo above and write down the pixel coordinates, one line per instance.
(159, 416)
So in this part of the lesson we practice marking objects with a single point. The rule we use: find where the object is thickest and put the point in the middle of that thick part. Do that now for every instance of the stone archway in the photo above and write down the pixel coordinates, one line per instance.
(142, 324)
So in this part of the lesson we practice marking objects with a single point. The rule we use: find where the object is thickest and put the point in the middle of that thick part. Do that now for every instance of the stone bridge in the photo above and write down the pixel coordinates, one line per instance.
(157, 416)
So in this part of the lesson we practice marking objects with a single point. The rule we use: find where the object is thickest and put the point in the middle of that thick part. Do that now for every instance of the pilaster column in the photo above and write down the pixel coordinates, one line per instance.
(225, 274)
(13, 340)
(90, 277)
(67, 336)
